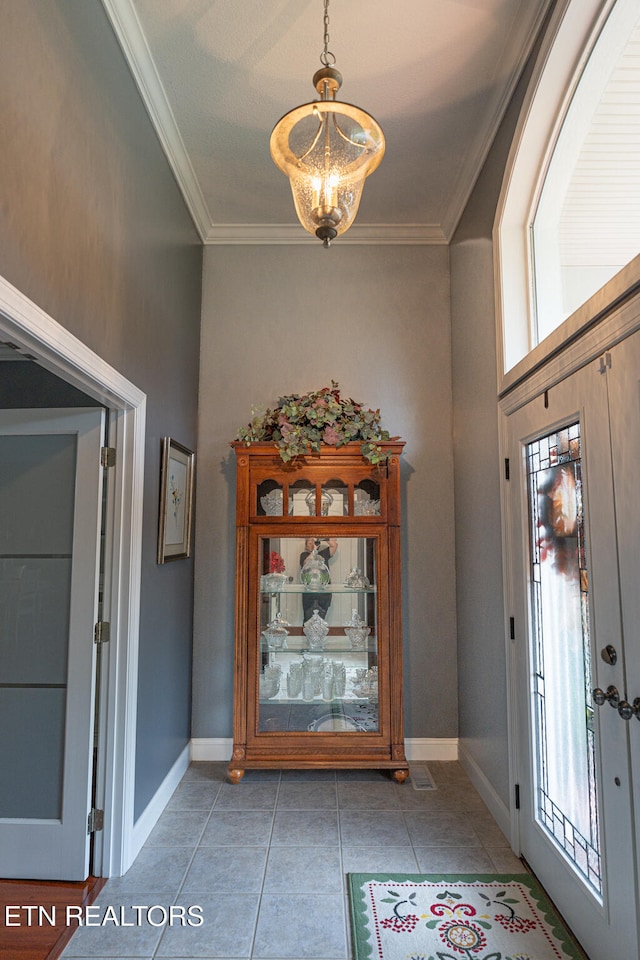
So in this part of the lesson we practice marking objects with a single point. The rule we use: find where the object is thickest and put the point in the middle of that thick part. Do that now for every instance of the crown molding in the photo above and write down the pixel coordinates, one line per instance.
(128, 30)
(359, 233)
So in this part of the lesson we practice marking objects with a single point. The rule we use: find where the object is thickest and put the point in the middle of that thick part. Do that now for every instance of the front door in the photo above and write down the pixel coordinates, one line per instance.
(50, 514)
(576, 791)
(623, 381)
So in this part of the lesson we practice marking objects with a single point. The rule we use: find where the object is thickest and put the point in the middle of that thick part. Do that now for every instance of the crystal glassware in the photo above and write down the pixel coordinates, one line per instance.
(315, 573)
(273, 582)
(339, 678)
(364, 506)
(327, 680)
(357, 631)
(356, 580)
(276, 633)
(312, 675)
(325, 503)
(271, 503)
(315, 630)
(366, 684)
(270, 681)
(294, 680)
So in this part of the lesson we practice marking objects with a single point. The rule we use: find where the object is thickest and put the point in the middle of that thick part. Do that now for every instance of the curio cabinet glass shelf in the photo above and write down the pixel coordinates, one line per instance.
(318, 647)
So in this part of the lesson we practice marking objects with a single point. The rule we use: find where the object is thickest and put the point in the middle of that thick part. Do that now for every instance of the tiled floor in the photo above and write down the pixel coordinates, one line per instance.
(266, 861)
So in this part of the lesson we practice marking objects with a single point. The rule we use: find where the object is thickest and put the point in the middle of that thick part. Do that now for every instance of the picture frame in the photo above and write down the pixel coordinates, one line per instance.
(177, 464)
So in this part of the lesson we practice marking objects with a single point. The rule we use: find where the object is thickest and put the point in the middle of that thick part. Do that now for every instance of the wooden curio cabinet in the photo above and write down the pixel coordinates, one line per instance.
(318, 629)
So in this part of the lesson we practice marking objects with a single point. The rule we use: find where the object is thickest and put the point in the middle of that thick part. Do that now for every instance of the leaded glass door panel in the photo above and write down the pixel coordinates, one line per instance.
(575, 789)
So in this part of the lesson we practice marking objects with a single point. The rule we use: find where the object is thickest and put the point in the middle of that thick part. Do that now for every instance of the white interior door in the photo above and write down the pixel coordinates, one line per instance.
(576, 818)
(50, 515)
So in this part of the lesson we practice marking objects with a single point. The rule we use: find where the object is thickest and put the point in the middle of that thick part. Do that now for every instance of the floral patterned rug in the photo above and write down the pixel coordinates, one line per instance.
(455, 917)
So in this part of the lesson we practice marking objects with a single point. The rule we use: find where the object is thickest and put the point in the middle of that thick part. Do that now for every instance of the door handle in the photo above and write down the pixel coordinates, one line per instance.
(625, 710)
(611, 696)
(628, 710)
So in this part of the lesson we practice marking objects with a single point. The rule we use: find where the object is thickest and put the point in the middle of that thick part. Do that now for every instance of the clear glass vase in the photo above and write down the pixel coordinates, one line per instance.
(315, 573)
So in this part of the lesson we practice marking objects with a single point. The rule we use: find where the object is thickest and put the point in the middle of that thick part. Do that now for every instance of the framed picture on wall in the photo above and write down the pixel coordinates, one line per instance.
(176, 501)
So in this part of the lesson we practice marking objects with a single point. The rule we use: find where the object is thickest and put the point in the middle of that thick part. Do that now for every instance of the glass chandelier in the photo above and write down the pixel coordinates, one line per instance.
(327, 148)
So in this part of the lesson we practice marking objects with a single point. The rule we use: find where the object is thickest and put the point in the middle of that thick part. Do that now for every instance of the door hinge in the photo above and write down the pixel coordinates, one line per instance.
(102, 632)
(517, 792)
(95, 820)
(512, 628)
(506, 468)
(107, 456)
(605, 363)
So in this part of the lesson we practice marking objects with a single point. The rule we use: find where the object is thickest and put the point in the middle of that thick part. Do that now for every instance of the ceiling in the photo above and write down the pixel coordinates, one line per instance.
(216, 75)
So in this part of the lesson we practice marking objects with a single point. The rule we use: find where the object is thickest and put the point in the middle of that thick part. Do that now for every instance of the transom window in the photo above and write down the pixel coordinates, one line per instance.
(586, 226)
(568, 220)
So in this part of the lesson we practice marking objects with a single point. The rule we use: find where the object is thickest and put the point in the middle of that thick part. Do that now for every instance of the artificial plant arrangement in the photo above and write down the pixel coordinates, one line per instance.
(299, 424)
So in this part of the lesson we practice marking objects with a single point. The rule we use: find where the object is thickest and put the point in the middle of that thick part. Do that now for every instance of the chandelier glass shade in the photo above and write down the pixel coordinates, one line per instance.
(327, 149)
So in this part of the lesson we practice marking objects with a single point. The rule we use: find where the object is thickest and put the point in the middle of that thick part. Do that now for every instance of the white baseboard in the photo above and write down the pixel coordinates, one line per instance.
(431, 748)
(497, 807)
(149, 817)
(427, 748)
(211, 748)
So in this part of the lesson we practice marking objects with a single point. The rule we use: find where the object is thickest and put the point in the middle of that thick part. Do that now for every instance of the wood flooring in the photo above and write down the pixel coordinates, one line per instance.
(40, 902)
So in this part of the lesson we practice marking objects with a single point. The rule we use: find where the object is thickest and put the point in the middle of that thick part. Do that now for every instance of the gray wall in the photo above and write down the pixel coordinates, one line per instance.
(284, 319)
(94, 230)
(482, 670)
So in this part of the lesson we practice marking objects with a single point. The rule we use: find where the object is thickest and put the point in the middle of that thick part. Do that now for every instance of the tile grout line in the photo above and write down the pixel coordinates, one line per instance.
(264, 872)
(413, 849)
(188, 867)
(345, 890)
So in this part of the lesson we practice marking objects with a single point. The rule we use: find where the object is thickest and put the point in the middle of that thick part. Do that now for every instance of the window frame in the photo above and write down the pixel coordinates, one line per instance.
(565, 48)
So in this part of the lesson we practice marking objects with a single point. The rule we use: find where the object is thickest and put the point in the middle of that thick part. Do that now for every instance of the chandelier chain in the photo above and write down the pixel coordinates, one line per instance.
(327, 59)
